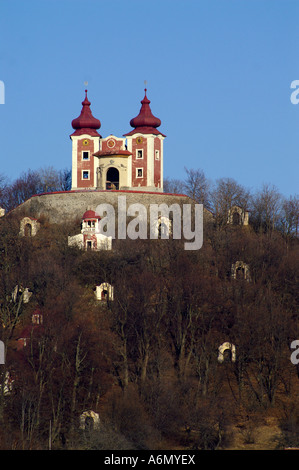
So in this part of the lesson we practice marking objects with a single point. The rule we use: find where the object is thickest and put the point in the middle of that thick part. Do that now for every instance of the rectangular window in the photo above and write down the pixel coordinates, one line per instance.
(157, 155)
(139, 154)
(85, 174)
(85, 155)
(139, 172)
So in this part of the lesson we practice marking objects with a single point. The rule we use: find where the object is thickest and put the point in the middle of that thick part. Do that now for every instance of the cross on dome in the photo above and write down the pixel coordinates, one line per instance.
(145, 122)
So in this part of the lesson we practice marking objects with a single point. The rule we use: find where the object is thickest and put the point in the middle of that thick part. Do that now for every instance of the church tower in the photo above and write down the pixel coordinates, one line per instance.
(85, 142)
(145, 143)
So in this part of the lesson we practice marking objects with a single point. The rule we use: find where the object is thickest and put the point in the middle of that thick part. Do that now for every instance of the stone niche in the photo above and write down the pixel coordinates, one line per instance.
(237, 216)
(29, 227)
(104, 292)
(227, 350)
(89, 420)
(240, 270)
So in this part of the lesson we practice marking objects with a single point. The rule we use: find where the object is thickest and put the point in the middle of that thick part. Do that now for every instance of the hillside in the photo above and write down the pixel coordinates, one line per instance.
(145, 361)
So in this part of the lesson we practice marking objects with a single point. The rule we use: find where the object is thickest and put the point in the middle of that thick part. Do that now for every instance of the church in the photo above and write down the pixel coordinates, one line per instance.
(131, 162)
(104, 168)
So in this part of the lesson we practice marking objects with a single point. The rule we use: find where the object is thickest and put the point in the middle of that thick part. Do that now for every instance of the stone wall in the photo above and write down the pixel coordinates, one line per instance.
(70, 205)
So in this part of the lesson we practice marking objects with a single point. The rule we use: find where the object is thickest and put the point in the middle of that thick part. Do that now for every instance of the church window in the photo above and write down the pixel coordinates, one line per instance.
(139, 154)
(85, 174)
(157, 155)
(139, 172)
(85, 155)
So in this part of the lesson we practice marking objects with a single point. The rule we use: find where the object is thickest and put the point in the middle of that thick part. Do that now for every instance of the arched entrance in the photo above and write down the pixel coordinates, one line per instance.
(112, 178)
(236, 218)
(28, 230)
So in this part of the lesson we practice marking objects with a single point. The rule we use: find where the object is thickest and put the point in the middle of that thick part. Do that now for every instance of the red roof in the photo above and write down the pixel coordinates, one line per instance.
(108, 153)
(145, 122)
(90, 215)
(86, 123)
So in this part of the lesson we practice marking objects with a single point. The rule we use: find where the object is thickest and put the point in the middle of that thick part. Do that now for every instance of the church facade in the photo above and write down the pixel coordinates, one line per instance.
(131, 162)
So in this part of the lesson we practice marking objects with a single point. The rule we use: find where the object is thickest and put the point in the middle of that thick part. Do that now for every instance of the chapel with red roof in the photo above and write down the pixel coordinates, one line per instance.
(131, 162)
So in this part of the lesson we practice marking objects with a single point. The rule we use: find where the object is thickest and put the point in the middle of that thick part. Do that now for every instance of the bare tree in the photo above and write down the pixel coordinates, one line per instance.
(65, 179)
(53, 180)
(33, 182)
(197, 186)
(289, 219)
(3, 185)
(226, 194)
(266, 206)
(173, 186)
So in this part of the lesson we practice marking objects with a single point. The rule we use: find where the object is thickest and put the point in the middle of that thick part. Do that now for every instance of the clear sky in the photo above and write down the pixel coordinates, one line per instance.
(218, 76)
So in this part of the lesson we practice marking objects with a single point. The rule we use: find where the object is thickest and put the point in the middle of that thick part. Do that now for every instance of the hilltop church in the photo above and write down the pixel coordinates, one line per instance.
(103, 168)
(131, 162)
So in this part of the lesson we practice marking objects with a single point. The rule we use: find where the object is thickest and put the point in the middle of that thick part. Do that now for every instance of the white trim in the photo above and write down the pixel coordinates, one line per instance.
(114, 137)
(82, 177)
(137, 172)
(85, 159)
(142, 154)
(85, 136)
(129, 170)
(78, 157)
(150, 161)
(74, 162)
(161, 164)
(96, 148)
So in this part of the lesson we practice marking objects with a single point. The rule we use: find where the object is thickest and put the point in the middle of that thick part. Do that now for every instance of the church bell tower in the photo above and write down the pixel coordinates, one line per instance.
(85, 142)
(145, 142)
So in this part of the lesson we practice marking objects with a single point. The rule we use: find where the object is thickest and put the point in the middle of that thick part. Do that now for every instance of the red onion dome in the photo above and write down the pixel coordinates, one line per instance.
(86, 123)
(145, 122)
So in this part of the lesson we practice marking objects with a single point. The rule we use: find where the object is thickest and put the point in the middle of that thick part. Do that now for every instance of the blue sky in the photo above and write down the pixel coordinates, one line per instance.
(218, 76)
